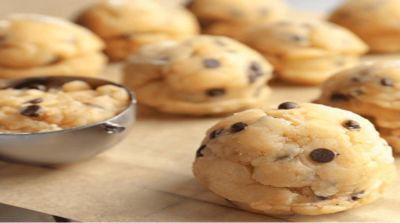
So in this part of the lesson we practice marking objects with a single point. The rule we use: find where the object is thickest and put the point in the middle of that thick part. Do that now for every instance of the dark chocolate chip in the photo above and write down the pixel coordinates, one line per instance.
(322, 155)
(237, 127)
(126, 36)
(199, 151)
(322, 197)
(38, 84)
(35, 101)
(214, 134)
(31, 111)
(297, 38)
(204, 24)
(2, 38)
(356, 196)
(255, 71)
(211, 63)
(215, 92)
(339, 97)
(386, 82)
(351, 125)
(355, 79)
(288, 105)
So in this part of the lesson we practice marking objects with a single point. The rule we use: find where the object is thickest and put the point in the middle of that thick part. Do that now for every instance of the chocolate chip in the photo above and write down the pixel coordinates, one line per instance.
(339, 97)
(2, 38)
(255, 71)
(214, 134)
(386, 82)
(356, 196)
(126, 36)
(355, 79)
(288, 105)
(38, 84)
(215, 92)
(204, 24)
(322, 197)
(211, 63)
(351, 125)
(297, 38)
(199, 151)
(322, 155)
(31, 111)
(237, 127)
(35, 101)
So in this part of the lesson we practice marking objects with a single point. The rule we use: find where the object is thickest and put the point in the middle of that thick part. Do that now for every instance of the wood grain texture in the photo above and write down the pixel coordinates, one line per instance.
(148, 176)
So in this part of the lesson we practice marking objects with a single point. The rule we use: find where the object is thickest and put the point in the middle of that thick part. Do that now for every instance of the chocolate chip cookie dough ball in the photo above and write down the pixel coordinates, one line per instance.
(375, 21)
(306, 52)
(36, 45)
(298, 159)
(126, 25)
(371, 90)
(232, 17)
(204, 75)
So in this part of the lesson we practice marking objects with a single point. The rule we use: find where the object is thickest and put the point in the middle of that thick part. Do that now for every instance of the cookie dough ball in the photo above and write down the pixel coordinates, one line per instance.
(36, 45)
(306, 52)
(371, 90)
(375, 21)
(232, 17)
(298, 159)
(126, 25)
(35, 107)
(204, 75)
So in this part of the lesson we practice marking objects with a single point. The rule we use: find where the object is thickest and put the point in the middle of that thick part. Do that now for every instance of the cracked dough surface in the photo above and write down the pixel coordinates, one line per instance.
(375, 21)
(37, 109)
(126, 25)
(203, 75)
(37, 45)
(265, 163)
(305, 51)
(371, 90)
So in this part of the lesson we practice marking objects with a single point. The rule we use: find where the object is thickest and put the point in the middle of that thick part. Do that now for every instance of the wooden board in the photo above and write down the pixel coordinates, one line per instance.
(148, 176)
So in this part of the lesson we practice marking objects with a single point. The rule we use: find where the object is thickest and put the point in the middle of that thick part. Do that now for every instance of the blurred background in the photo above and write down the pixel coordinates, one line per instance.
(51, 7)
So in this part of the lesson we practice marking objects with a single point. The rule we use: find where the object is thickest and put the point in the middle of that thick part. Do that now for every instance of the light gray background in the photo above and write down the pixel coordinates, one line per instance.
(9, 214)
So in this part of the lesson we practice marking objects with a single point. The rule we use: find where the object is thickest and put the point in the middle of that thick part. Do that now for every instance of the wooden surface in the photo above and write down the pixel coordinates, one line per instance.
(148, 176)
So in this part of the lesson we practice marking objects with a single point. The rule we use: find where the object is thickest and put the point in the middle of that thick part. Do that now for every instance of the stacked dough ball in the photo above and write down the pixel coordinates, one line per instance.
(375, 21)
(200, 76)
(298, 159)
(126, 25)
(306, 52)
(36, 45)
(370, 90)
(232, 17)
